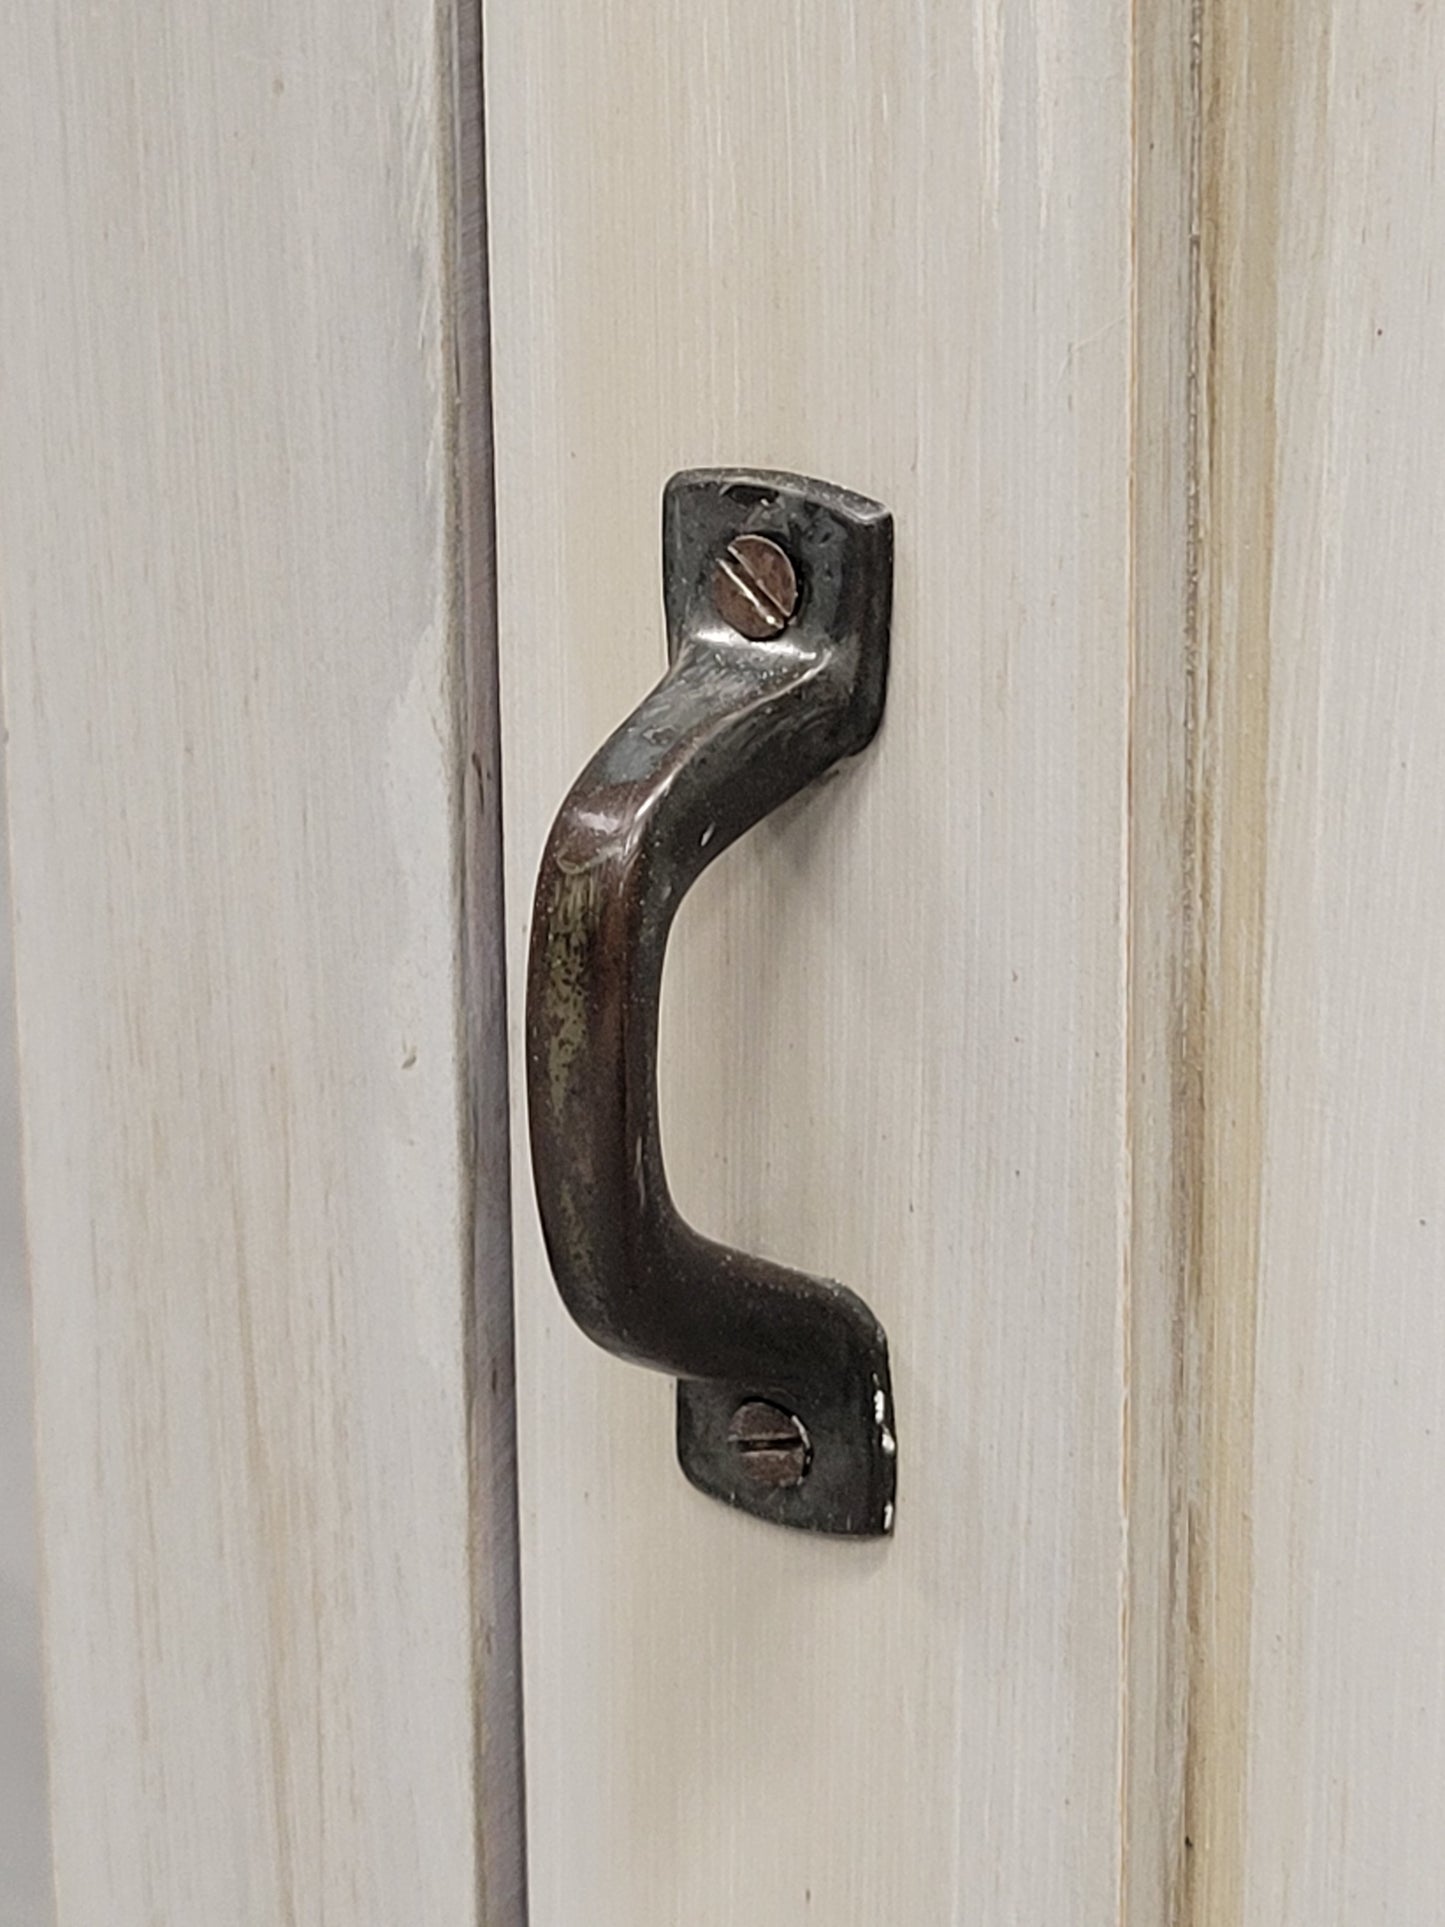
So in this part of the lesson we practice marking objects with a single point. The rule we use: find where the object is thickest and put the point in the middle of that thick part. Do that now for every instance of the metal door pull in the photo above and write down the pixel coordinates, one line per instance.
(778, 593)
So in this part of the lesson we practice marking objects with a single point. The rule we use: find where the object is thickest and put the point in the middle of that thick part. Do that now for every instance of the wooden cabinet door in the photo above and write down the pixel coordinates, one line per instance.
(896, 248)
(1088, 1024)
(1317, 1742)
(255, 1061)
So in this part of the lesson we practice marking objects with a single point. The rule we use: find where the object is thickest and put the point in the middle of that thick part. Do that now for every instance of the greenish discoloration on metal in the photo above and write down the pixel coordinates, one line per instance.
(567, 930)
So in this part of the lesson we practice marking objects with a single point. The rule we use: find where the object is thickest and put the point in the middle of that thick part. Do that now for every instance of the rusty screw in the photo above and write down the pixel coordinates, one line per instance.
(755, 587)
(771, 1445)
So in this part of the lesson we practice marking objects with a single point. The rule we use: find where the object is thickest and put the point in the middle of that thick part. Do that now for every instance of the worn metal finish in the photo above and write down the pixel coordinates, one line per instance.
(755, 587)
(772, 1447)
(736, 727)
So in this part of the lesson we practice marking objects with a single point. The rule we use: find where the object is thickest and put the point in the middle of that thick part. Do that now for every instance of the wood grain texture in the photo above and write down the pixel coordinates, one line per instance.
(1319, 1738)
(1163, 938)
(25, 1884)
(895, 246)
(230, 588)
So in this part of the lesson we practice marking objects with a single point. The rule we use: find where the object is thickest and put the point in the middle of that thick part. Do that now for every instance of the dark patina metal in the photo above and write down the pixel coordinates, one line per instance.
(771, 1446)
(737, 726)
(755, 587)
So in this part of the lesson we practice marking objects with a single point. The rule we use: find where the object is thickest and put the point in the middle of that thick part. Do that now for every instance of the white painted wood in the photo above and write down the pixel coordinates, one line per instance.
(1162, 931)
(230, 602)
(25, 1886)
(1091, 1026)
(1321, 1670)
(893, 245)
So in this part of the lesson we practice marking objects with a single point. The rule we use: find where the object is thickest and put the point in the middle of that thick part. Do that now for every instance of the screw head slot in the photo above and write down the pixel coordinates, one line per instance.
(755, 587)
(771, 1446)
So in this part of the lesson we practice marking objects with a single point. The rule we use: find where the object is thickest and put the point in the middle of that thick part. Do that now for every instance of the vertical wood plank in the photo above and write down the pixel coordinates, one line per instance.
(1319, 1737)
(230, 602)
(895, 246)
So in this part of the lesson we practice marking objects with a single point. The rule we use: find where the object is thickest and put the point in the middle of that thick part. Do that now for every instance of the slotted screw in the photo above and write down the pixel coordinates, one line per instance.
(771, 1445)
(755, 587)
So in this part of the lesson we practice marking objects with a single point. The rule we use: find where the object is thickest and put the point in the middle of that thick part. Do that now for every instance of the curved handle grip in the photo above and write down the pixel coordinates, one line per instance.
(785, 1404)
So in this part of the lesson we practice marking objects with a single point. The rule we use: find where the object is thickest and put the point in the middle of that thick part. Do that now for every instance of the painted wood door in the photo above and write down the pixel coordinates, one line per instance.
(247, 779)
(1318, 1733)
(1089, 1025)
(1092, 1026)
(898, 248)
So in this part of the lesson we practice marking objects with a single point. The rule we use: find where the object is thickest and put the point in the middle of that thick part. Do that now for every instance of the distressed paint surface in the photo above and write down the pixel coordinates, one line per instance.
(1162, 939)
(1122, 1099)
(1318, 1737)
(896, 247)
(228, 598)
(1242, 72)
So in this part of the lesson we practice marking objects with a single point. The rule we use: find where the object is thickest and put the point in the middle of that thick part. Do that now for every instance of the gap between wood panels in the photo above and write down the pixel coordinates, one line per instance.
(491, 1367)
